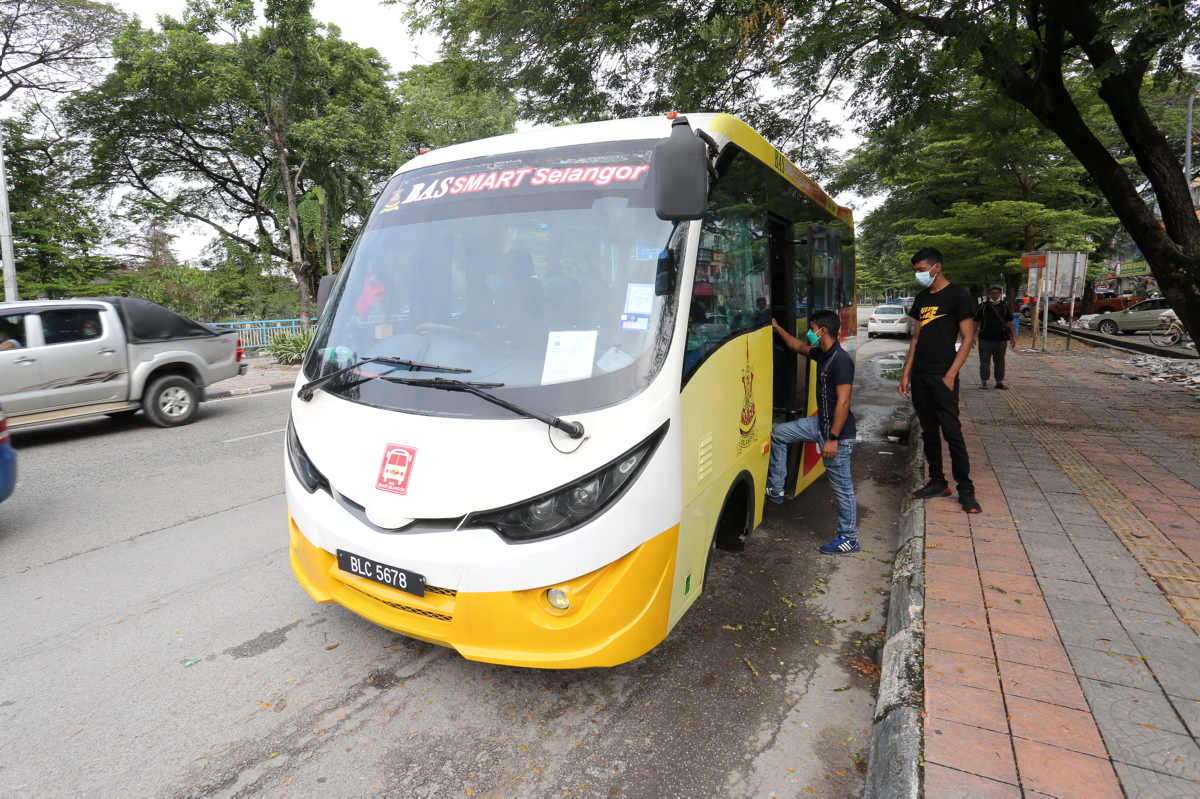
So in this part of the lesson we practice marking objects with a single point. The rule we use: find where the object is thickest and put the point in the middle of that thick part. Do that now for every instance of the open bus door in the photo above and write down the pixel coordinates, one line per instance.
(806, 276)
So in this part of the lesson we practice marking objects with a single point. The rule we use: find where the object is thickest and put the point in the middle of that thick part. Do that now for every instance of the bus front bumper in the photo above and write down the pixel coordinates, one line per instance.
(617, 613)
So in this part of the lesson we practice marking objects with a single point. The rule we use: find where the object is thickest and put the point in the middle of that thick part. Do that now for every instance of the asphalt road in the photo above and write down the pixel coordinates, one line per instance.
(129, 552)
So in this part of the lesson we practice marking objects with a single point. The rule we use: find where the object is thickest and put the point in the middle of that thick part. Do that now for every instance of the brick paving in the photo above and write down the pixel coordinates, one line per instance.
(1062, 647)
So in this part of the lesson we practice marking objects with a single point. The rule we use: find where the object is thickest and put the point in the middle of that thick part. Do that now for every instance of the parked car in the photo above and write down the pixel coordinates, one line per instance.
(890, 320)
(8, 461)
(1060, 307)
(1143, 316)
(65, 359)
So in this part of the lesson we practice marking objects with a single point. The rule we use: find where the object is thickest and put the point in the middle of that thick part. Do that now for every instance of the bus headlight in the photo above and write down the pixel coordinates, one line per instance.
(308, 475)
(565, 508)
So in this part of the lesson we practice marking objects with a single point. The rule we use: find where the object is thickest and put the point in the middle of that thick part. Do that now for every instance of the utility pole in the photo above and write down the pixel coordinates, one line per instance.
(6, 242)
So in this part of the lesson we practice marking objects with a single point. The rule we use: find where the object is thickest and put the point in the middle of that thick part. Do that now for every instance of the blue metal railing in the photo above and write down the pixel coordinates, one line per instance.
(260, 333)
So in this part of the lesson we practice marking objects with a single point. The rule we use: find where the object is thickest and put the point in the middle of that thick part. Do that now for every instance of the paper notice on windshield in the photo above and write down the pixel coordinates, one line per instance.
(639, 298)
(569, 356)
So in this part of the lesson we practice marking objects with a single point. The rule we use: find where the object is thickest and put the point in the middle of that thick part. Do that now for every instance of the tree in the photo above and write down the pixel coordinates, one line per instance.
(232, 133)
(1051, 58)
(442, 105)
(57, 229)
(53, 46)
(983, 184)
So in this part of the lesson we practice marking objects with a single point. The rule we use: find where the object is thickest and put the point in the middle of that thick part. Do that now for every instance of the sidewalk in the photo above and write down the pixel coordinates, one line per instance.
(263, 375)
(1062, 647)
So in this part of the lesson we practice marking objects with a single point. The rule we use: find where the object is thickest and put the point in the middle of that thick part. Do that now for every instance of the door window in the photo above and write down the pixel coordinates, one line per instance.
(66, 325)
(12, 331)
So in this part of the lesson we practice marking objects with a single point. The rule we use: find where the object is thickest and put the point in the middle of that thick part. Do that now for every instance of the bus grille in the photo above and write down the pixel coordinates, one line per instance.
(429, 614)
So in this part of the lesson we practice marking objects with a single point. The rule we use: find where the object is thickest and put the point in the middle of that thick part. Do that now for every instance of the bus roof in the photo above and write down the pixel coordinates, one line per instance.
(722, 127)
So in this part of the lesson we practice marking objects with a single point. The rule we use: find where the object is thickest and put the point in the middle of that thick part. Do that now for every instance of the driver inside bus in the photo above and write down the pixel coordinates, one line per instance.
(516, 301)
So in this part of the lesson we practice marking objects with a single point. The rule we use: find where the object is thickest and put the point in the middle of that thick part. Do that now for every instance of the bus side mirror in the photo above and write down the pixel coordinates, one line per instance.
(680, 175)
(324, 289)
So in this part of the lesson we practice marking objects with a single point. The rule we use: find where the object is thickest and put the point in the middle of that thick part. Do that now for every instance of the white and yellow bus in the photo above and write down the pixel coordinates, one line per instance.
(543, 384)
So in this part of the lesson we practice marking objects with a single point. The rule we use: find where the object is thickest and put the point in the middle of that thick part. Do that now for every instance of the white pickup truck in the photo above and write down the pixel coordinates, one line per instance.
(65, 359)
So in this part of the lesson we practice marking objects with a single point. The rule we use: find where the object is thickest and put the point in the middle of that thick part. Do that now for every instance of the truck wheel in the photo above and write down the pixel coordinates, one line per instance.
(171, 401)
(1108, 327)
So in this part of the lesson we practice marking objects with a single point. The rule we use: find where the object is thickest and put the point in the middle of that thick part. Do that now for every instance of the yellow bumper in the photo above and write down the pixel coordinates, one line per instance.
(617, 613)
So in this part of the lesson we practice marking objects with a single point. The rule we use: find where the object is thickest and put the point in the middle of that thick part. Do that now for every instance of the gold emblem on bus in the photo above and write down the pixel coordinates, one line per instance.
(749, 413)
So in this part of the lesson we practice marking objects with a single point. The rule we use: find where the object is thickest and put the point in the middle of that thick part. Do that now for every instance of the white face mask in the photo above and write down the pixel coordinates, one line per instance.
(925, 278)
(995, 300)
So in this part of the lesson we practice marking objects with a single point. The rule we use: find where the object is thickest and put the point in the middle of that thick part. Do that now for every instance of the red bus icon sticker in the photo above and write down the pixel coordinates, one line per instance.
(396, 469)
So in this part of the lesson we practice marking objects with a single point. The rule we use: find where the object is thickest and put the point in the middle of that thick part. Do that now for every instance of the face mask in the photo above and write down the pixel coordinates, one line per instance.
(925, 278)
(992, 301)
(495, 282)
(813, 338)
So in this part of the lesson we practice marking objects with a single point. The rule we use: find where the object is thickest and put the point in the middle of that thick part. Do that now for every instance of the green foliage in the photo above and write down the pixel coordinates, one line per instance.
(289, 348)
(195, 293)
(982, 184)
(440, 106)
(57, 230)
(215, 121)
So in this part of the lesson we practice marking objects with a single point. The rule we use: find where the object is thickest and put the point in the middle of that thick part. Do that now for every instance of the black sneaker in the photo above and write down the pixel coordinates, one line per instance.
(932, 490)
(969, 504)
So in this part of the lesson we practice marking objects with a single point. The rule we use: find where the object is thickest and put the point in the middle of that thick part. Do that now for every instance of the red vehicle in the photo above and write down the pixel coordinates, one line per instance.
(1060, 307)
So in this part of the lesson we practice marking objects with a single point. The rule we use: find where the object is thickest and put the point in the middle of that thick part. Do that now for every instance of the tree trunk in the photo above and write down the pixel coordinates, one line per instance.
(325, 234)
(293, 226)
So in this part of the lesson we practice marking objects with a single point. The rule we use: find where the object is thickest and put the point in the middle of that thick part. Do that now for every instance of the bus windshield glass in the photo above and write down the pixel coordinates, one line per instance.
(545, 271)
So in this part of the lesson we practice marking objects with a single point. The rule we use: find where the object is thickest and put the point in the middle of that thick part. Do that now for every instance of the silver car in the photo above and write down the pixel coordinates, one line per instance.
(66, 359)
(1143, 316)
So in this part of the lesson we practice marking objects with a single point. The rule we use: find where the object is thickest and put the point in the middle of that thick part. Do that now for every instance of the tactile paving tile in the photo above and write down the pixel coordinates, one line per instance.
(1176, 574)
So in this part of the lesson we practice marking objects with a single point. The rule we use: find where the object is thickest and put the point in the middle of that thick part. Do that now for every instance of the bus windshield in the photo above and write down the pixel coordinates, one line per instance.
(534, 270)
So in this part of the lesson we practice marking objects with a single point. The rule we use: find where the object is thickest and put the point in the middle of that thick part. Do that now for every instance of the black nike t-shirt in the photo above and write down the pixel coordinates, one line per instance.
(938, 314)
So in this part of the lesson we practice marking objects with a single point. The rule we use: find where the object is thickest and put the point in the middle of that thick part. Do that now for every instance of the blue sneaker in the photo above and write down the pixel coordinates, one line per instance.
(775, 495)
(841, 546)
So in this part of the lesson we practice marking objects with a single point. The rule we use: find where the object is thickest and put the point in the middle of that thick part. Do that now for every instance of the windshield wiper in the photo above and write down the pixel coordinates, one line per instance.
(572, 429)
(306, 391)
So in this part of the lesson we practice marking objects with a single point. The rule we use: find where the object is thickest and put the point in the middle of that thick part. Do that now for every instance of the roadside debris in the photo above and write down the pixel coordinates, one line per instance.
(1161, 370)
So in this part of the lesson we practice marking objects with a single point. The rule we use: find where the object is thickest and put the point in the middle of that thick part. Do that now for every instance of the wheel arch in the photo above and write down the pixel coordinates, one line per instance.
(736, 519)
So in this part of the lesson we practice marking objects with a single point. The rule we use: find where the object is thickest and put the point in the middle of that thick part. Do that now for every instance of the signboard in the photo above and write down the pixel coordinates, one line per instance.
(1064, 273)
(1030, 260)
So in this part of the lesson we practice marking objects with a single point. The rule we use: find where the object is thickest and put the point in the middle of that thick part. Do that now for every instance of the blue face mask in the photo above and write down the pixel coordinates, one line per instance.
(925, 278)
(813, 339)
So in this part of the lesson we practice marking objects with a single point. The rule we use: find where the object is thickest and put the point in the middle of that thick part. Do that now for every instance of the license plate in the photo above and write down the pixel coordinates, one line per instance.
(400, 579)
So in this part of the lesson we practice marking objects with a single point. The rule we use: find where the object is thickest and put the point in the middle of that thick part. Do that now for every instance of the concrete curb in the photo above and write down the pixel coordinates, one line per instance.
(238, 392)
(894, 763)
(1129, 344)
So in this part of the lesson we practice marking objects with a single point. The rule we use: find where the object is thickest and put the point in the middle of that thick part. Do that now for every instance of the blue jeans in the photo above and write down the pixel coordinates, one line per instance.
(838, 468)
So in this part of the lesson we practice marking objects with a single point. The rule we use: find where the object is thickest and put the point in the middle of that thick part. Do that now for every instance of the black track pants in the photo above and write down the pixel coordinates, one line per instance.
(937, 410)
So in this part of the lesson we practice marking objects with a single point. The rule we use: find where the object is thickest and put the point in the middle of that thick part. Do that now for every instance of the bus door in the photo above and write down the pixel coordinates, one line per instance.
(787, 366)
(823, 256)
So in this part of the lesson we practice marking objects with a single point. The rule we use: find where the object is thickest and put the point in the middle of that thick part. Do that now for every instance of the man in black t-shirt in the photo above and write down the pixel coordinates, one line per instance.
(994, 320)
(943, 312)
